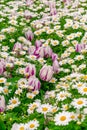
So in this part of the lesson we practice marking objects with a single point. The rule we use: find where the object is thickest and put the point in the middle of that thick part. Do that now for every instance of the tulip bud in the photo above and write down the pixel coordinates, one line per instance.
(38, 43)
(17, 46)
(54, 56)
(46, 73)
(30, 70)
(80, 47)
(1, 69)
(56, 66)
(29, 35)
(31, 50)
(2, 103)
(34, 82)
(47, 51)
(27, 14)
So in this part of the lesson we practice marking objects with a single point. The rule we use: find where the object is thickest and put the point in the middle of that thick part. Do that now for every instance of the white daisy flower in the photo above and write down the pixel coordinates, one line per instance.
(79, 103)
(62, 118)
(32, 125)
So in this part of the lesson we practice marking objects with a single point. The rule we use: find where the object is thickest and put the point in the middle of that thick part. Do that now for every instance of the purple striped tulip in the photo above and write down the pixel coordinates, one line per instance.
(31, 50)
(34, 82)
(47, 51)
(53, 11)
(29, 35)
(39, 52)
(17, 46)
(30, 70)
(2, 103)
(54, 56)
(38, 43)
(1, 68)
(27, 14)
(46, 73)
(29, 2)
(56, 67)
(80, 47)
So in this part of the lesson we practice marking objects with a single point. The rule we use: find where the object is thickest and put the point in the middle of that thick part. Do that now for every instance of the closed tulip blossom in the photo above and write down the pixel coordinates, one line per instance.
(29, 35)
(29, 2)
(34, 83)
(31, 50)
(38, 43)
(56, 67)
(47, 51)
(80, 47)
(46, 73)
(30, 70)
(1, 68)
(17, 47)
(2, 103)
(54, 56)
(27, 14)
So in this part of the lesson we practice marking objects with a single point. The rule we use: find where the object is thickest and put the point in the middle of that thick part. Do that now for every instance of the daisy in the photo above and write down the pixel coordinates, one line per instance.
(55, 42)
(30, 95)
(62, 118)
(2, 80)
(83, 90)
(14, 101)
(62, 96)
(32, 125)
(44, 108)
(79, 103)
(2, 37)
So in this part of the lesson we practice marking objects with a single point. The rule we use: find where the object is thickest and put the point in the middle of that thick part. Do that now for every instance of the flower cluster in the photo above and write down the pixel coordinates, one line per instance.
(43, 65)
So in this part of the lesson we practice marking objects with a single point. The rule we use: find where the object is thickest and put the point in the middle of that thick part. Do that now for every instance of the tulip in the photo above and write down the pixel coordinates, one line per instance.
(1, 68)
(29, 2)
(34, 82)
(53, 11)
(29, 35)
(31, 50)
(30, 70)
(47, 51)
(17, 46)
(80, 47)
(38, 43)
(54, 56)
(27, 14)
(56, 66)
(46, 73)
(2, 103)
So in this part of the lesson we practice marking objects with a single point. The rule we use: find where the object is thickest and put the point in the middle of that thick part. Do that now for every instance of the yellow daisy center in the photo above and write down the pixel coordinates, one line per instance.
(5, 90)
(44, 109)
(85, 89)
(14, 101)
(22, 128)
(32, 125)
(63, 118)
(1, 80)
(80, 102)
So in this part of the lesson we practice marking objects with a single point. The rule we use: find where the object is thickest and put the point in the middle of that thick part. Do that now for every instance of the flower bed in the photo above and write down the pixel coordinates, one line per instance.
(43, 65)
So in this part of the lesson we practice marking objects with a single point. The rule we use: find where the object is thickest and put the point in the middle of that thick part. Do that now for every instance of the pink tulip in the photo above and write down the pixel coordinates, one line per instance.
(46, 73)
(29, 2)
(38, 43)
(27, 14)
(30, 70)
(31, 50)
(54, 56)
(34, 82)
(56, 67)
(53, 11)
(2, 103)
(17, 46)
(47, 51)
(29, 35)
(80, 47)
(1, 68)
